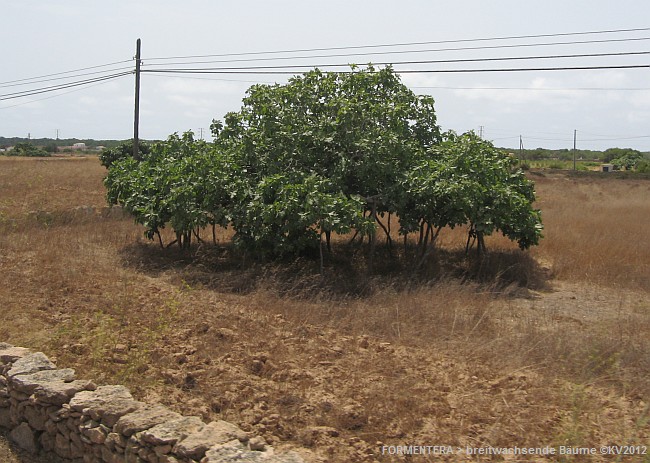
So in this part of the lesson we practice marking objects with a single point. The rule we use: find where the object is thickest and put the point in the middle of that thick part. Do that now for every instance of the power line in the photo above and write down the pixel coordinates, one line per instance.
(66, 72)
(54, 96)
(444, 61)
(11, 96)
(490, 47)
(405, 44)
(439, 87)
(64, 78)
(562, 89)
(400, 71)
(215, 79)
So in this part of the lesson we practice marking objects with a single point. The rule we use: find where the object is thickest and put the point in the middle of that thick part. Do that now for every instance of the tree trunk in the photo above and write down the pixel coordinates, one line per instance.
(372, 238)
(388, 238)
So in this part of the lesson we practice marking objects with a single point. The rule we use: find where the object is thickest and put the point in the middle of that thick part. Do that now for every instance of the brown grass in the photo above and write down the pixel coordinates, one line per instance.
(548, 347)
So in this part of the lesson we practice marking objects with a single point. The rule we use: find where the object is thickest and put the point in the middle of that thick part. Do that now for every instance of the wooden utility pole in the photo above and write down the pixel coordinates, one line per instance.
(575, 133)
(136, 122)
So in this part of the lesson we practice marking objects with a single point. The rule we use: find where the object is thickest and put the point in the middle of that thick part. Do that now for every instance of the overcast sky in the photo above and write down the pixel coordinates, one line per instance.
(41, 38)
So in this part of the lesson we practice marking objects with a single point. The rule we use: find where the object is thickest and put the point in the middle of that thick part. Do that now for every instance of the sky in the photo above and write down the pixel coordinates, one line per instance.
(43, 40)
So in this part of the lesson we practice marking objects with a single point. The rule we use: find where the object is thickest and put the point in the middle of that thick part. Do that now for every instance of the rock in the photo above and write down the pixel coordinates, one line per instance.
(60, 393)
(232, 450)
(36, 417)
(144, 418)
(24, 438)
(257, 443)
(171, 432)
(9, 353)
(214, 433)
(114, 440)
(235, 451)
(95, 435)
(5, 418)
(106, 403)
(31, 364)
(27, 383)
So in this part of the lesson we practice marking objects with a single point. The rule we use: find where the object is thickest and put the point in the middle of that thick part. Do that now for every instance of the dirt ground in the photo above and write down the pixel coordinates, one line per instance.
(551, 349)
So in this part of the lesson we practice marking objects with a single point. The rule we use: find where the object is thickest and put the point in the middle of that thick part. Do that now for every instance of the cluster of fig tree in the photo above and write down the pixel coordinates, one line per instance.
(326, 153)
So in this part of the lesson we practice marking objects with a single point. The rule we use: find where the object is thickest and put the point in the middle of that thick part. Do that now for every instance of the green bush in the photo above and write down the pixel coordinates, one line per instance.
(27, 149)
(327, 152)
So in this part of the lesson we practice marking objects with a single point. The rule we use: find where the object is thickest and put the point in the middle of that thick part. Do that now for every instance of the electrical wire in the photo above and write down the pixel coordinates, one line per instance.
(399, 71)
(26, 93)
(444, 61)
(66, 72)
(433, 42)
(542, 89)
(562, 89)
(66, 77)
(491, 47)
(55, 96)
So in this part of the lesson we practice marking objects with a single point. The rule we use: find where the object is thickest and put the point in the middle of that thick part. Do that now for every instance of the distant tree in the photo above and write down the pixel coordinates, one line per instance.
(643, 166)
(51, 147)
(28, 149)
(612, 153)
(628, 159)
(124, 150)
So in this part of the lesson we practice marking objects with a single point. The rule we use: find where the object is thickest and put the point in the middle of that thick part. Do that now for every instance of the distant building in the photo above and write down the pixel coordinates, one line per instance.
(79, 146)
(608, 167)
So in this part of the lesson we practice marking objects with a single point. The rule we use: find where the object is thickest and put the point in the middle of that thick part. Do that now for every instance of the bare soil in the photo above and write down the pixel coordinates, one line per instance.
(545, 348)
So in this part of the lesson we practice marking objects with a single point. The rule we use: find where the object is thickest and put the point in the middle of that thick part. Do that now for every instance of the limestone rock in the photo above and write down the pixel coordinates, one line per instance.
(5, 418)
(232, 450)
(171, 432)
(27, 383)
(31, 364)
(214, 433)
(9, 353)
(235, 451)
(257, 443)
(144, 418)
(106, 403)
(24, 438)
(59, 393)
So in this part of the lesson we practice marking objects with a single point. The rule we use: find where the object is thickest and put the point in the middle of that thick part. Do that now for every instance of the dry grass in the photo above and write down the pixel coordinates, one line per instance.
(542, 348)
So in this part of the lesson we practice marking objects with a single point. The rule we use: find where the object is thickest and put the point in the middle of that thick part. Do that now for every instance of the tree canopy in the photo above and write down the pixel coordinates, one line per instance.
(326, 152)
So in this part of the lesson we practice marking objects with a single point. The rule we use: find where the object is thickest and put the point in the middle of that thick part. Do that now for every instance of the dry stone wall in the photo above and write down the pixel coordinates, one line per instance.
(49, 410)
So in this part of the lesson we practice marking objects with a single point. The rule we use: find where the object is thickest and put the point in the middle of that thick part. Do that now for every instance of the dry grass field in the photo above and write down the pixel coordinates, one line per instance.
(543, 348)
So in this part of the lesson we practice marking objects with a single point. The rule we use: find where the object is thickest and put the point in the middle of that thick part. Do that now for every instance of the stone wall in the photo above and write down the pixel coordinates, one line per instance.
(47, 409)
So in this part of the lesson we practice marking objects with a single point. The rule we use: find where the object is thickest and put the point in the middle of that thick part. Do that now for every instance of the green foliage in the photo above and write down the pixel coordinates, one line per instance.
(51, 147)
(643, 166)
(468, 181)
(347, 136)
(124, 150)
(327, 152)
(612, 153)
(27, 149)
(175, 184)
(627, 159)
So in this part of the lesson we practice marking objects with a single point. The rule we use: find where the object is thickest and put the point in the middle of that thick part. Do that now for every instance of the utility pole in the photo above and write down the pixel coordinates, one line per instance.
(57, 134)
(480, 131)
(521, 149)
(575, 133)
(201, 131)
(136, 122)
